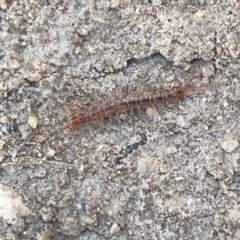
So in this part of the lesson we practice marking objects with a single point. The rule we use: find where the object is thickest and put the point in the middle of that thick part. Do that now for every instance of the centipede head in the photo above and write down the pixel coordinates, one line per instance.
(177, 92)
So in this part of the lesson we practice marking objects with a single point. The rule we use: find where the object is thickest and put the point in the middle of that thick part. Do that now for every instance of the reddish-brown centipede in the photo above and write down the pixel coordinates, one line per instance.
(175, 93)
(125, 104)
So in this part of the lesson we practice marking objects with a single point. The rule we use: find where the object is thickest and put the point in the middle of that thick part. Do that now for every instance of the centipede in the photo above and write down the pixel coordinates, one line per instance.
(174, 93)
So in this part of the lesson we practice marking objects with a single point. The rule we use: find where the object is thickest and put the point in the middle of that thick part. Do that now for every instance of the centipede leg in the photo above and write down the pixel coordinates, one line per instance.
(70, 134)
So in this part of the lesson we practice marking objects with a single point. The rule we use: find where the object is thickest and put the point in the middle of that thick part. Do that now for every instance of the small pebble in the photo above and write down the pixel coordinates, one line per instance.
(3, 87)
(180, 120)
(81, 168)
(83, 31)
(219, 50)
(225, 104)
(33, 122)
(3, 4)
(3, 119)
(114, 228)
(2, 143)
(39, 138)
(115, 3)
(200, 13)
(53, 6)
(230, 145)
(150, 114)
(51, 152)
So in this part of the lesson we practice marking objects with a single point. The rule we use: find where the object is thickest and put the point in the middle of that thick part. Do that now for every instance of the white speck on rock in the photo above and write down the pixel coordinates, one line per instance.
(171, 149)
(115, 3)
(3, 119)
(46, 93)
(2, 143)
(33, 122)
(3, 87)
(200, 13)
(51, 152)
(204, 99)
(115, 228)
(83, 31)
(13, 153)
(225, 104)
(219, 50)
(230, 145)
(180, 120)
(3, 4)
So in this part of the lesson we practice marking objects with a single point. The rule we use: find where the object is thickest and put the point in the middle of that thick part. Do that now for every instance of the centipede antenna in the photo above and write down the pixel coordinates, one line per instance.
(57, 130)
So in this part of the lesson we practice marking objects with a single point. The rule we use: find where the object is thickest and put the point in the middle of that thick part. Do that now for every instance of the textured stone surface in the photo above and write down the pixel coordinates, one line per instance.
(162, 172)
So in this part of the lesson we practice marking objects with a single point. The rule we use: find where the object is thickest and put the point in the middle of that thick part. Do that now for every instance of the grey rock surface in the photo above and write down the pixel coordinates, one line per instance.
(166, 171)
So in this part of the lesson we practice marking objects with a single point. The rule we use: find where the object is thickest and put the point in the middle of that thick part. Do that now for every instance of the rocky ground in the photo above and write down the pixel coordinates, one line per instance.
(166, 171)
